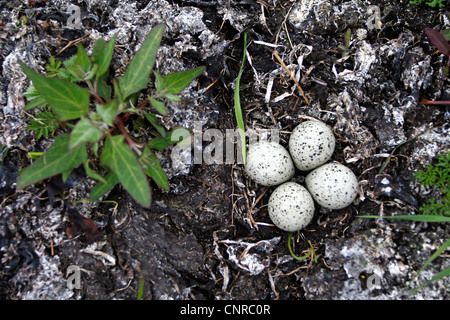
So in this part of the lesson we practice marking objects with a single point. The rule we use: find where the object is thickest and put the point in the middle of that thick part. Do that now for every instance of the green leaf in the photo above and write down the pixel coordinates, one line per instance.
(81, 68)
(175, 82)
(104, 57)
(91, 173)
(98, 46)
(37, 102)
(172, 97)
(153, 168)
(84, 131)
(138, 72)
(159, 82)
(160, 143)
(158, 105)
(57, 159)
(34, 98)
(65, 175)
(107, 111)
(103, 187)
(83, 59)
(154, 121)
(52, 67)
(35, 155)
(122, 161)
(103, 89)
(68, 100)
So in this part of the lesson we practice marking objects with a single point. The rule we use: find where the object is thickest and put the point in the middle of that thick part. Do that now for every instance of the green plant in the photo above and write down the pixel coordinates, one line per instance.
(432, 3)
(423, 218)
(44, 123)
(237, 106)
(95, 109)
(437, 176)
(311, 253)
(345, 48)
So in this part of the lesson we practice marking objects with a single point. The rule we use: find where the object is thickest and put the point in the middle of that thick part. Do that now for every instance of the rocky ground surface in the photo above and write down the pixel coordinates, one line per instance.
(210, 236)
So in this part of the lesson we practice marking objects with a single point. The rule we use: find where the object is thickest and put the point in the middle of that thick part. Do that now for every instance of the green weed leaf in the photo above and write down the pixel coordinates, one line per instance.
(104, 90)
(108, 112)
(91, 173)
(104, 57)
(160, 143)
(44, 123)
(103, 187)
(153, 168)
(84, 131)
(175, 82)
(56, 160)
(158, 105)
(154, 121)
(83, 59)
(68, 100)
(118, 156)
(138, 72)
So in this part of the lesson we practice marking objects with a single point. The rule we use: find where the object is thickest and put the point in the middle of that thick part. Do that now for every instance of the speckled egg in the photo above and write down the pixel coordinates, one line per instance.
(311, 144)
(291, 207)
(269, 163)
(333, 185)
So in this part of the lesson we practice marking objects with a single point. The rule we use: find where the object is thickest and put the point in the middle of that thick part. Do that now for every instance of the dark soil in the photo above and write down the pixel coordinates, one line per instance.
(193, 243)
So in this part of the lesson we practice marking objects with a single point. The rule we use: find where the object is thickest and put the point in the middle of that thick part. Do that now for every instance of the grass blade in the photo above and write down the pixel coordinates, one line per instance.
(237, 105)
(435, 255)
(420, 218)
(439, 276)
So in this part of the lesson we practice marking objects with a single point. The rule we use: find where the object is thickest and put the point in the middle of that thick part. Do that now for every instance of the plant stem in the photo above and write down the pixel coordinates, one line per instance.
(292, 253)
(425, 101)
(133, 144)
(94, 93)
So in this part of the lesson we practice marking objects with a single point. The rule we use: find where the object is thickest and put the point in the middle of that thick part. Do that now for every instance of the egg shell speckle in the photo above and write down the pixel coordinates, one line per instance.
(269, 163)
(333, 185)
(311, 144)
(291, 207)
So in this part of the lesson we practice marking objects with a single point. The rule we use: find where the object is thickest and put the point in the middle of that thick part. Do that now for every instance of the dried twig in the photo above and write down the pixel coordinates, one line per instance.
(293, 78)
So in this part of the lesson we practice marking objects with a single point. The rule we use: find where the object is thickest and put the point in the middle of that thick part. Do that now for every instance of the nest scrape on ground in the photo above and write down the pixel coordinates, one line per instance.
(210, 236)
